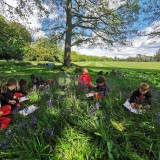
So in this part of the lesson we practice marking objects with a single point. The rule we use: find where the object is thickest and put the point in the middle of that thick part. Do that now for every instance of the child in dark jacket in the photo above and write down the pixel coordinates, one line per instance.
(141, 98)
(102, 90)
(7, 93)
(36, 81)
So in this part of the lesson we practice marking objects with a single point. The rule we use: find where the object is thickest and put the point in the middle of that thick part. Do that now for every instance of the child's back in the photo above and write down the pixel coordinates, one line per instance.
(84, 78)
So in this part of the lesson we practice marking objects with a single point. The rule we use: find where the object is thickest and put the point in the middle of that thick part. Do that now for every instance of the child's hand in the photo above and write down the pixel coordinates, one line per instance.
(12, 102)
(1, 113)
(140, 106)
(147, 106)
(133, 105)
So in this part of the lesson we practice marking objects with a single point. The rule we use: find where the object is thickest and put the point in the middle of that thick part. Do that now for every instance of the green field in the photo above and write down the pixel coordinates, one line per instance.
(122, 65)
(65, 129)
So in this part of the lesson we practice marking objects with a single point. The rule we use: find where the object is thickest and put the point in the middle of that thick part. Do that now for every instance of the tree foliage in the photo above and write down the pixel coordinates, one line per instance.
(13, 40)
(151, 8)
(45, 49)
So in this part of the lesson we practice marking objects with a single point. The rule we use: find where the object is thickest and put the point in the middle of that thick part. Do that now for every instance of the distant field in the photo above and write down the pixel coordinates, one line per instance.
(126, 65)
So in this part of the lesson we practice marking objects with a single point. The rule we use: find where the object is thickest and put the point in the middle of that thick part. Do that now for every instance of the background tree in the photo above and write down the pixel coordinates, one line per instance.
(157, 56)
(13, 40)
(45, 49)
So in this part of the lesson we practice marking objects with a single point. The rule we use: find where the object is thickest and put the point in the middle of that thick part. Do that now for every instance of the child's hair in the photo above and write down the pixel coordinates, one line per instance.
(42, 82)
(49, 81)
(33, 76)
(144, 86)
(100, 73)
(100, 79)
(10, 82)
(23, 82)
(85, 70)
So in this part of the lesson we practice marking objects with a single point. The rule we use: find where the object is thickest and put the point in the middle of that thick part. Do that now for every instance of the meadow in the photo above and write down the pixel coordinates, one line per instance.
(63, 128)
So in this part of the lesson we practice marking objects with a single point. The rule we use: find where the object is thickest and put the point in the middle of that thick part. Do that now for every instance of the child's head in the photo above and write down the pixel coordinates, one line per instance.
(33, 77)
(100, 73)
(23, 83)
(49, 81)
(84, 70)
(100, 81)
(12, 84)
(143, 88)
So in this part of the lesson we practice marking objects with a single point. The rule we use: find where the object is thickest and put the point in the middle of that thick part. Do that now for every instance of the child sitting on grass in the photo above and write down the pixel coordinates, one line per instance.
(7, 93)
(101, 90)
(36, 81)
(141, 98)
(84, 78)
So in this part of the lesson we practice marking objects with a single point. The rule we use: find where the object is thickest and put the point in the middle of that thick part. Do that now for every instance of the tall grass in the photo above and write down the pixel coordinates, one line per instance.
(63, 129)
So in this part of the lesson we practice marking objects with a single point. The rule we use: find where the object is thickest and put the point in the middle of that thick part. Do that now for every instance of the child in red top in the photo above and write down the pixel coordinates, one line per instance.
(4, 111)
(21, 91)
(84, 78)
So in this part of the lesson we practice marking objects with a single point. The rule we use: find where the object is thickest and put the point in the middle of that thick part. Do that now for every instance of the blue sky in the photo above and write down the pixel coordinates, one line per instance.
(140, 45)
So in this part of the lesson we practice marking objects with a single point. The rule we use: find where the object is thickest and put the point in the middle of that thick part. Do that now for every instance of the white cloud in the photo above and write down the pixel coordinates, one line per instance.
(32, 21)
(140, 45)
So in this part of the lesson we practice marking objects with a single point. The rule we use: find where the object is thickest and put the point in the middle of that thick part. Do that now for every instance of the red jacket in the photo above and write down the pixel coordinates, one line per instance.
(85, 80)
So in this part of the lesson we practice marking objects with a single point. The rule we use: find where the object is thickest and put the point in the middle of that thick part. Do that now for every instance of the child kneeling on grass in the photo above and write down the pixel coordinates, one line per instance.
(101, 90)
(141, 98)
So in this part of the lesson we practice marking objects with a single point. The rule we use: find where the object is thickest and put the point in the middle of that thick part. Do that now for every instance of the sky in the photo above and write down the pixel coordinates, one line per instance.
(140, 45)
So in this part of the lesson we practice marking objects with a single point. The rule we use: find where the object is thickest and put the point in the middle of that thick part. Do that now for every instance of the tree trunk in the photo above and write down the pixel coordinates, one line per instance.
(67, 51)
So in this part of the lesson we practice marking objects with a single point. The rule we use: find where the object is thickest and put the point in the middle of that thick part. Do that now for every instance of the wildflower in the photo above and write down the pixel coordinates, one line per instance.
(50, 148)
(3, 145)
(49, 133)
(49, 102)
(59, 96)
(34, 120)
(15, 110)
(25, 110)
(8, 133)
(94, 108)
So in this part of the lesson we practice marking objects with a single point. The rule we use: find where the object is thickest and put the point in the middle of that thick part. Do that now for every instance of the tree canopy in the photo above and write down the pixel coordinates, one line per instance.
(14, 39)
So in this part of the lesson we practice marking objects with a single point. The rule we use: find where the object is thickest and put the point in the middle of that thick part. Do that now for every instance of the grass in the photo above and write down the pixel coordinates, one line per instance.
(122, 65)
(64, 129)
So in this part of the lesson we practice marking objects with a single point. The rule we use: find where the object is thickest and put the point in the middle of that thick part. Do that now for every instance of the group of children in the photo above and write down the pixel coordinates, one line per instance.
(10, 94)
(12, 90)
(140, 98)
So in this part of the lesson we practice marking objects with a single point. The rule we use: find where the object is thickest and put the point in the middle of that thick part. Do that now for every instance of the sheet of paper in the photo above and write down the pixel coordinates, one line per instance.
(22, 99)
(28, 110)
(133, 110)
(90, 95)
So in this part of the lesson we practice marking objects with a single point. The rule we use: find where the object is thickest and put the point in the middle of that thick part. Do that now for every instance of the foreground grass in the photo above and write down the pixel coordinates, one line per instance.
(64, 129)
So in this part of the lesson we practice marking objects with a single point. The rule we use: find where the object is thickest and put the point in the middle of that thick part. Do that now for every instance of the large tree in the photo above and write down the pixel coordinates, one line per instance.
(98, 22)
(94, 22)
